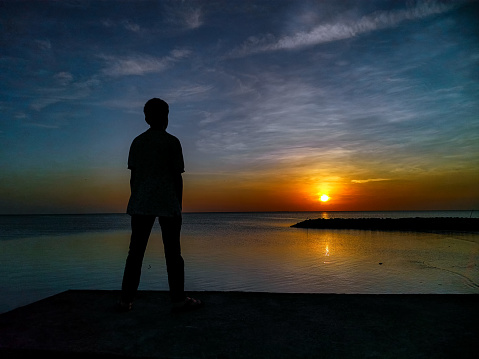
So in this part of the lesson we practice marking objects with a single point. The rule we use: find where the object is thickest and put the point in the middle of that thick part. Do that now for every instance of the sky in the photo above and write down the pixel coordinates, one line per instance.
(373, 103)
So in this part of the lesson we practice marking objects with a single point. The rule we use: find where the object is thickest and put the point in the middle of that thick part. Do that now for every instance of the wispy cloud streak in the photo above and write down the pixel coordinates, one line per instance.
(370, 180)
(184, 14)
(141, 64)
(341, 30)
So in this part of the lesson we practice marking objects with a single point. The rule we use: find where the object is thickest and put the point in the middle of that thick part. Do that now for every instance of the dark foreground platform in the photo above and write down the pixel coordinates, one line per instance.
(77, 324)
(395, 224)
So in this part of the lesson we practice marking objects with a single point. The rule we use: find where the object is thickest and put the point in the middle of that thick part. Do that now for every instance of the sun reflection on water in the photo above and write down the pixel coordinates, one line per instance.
(326, 254)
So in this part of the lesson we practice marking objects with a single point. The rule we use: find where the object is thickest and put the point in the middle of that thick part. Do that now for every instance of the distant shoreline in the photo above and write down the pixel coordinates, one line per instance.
(417, 224)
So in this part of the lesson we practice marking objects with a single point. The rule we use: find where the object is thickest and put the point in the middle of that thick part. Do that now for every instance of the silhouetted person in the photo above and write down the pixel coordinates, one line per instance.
(156, 164)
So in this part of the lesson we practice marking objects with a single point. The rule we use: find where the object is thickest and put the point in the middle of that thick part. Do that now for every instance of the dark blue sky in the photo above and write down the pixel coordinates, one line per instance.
(374, 103)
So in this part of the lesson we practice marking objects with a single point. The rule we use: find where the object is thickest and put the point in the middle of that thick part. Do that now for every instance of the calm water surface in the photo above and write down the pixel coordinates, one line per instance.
(44, 255)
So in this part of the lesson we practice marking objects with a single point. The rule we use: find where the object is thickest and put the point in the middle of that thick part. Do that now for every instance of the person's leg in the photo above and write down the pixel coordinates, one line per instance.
(140, 232)
(170, 230)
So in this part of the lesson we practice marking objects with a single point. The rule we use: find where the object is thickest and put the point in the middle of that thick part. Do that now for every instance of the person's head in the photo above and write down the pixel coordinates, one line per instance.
(156, 113)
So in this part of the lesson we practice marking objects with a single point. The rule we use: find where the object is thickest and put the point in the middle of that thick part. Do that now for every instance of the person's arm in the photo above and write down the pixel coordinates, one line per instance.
(179, 188)
(179, 169)
(132, 177)
(131, 164)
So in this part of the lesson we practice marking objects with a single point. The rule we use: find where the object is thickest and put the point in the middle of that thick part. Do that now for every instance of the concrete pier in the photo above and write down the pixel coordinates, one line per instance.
(245, 325)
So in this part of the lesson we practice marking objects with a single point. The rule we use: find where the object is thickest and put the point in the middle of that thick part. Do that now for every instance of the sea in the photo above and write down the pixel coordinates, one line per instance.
(42, 255)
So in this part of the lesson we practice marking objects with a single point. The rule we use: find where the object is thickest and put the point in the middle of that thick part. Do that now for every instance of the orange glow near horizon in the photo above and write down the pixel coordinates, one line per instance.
(267, 192)
(94, 192)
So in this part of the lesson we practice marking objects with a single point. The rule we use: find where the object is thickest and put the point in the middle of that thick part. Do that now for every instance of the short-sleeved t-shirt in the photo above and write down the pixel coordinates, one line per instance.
(156, 160)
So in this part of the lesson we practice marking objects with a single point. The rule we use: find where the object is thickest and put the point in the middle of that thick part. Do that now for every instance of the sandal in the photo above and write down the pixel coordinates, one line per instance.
(122, 306)
(187, 305)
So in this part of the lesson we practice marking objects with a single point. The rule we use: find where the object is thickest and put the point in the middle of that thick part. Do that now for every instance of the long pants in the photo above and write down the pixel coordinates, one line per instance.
(140, 232)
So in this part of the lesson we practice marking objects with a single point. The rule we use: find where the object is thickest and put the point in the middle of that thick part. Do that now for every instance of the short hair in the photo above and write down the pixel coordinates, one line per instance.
(156, 111)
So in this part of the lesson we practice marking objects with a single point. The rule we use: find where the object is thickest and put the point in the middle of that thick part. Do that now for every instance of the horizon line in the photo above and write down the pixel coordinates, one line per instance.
(217, 212)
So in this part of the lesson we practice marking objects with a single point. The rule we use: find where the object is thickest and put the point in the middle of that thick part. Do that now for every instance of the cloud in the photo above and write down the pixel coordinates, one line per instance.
(184, 15)
(40, 103)
(134, 65)
(271, 119)
(179, 54)
(193, 18)
(63, 89)
(43, 44)
(141, 64)
(108, 23)
(371, 180)
(282, 117)
(41, 125)
(340, 30)
(187, 91)
(20, 116)
(131, 26)
(126, 24)
(63, 78)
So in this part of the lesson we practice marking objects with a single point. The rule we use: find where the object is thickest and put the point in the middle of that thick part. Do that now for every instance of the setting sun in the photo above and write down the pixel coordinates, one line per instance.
(324, 198)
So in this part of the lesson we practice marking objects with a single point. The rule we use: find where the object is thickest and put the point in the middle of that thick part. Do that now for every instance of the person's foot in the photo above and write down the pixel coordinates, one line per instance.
(187, 305)
(122, 306)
